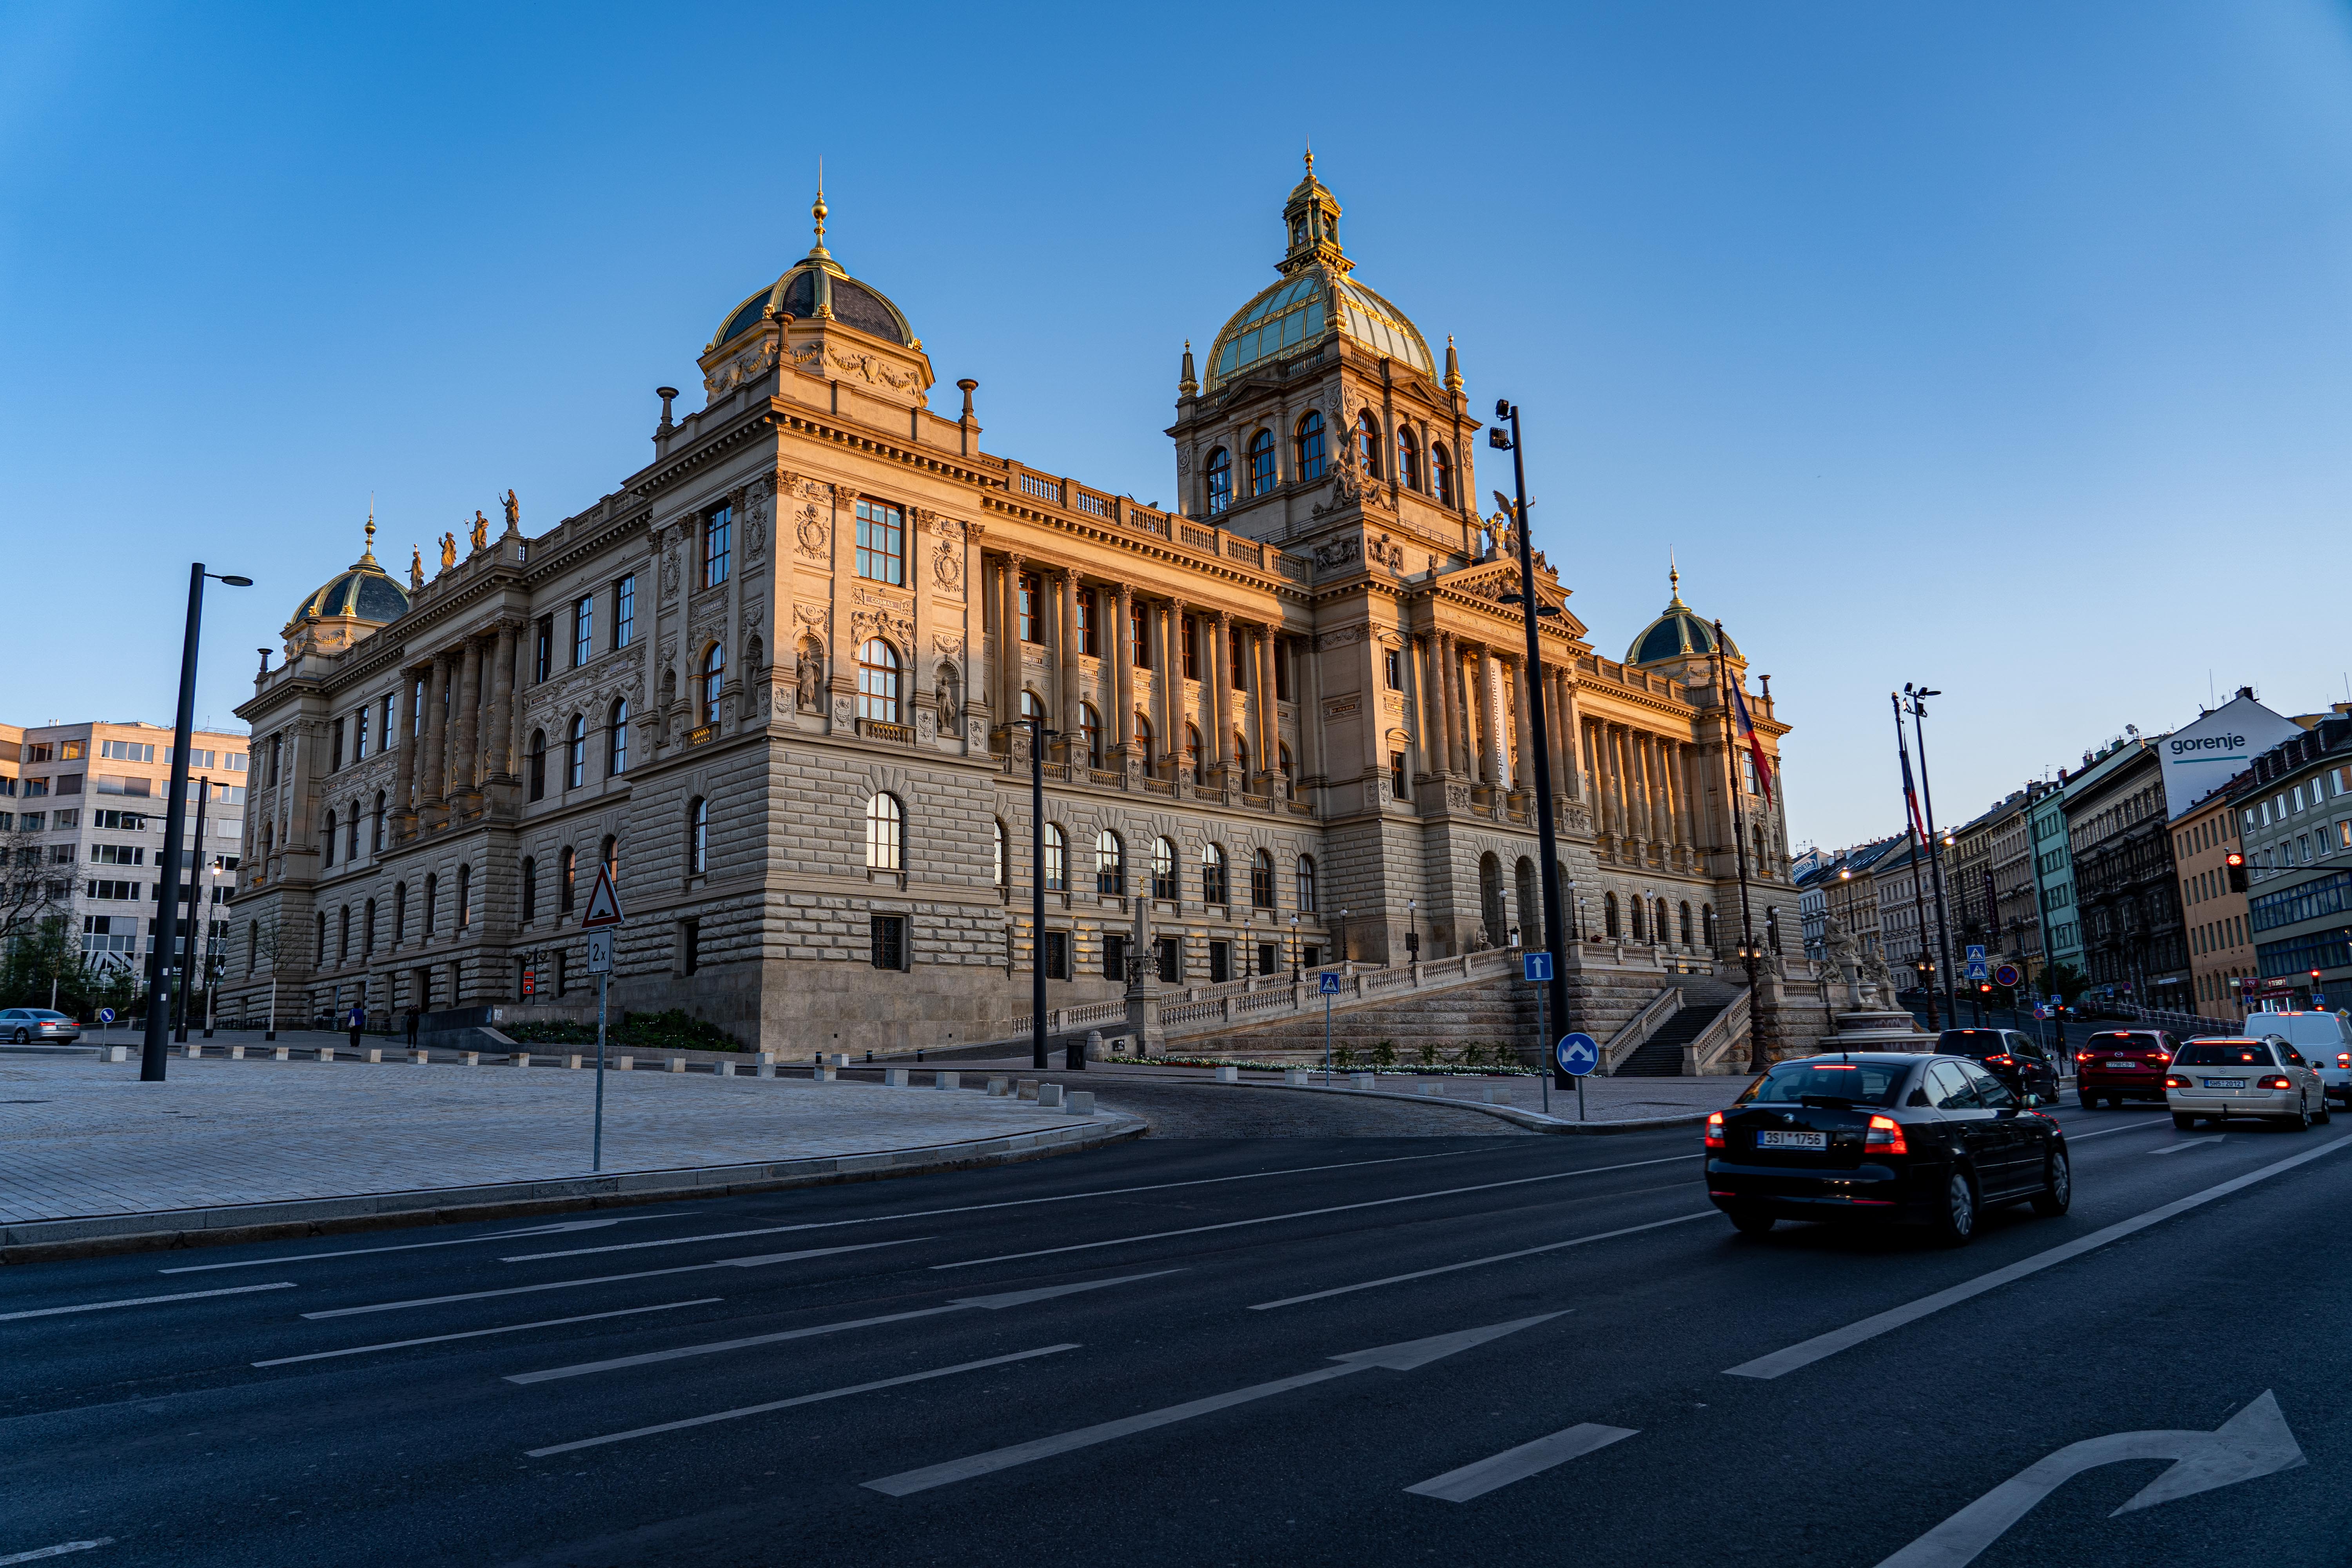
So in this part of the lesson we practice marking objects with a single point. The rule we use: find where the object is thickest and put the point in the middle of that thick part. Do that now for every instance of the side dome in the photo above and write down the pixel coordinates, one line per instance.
(1677, 633)
(363, 591)
(817, 288)
(1316, 301)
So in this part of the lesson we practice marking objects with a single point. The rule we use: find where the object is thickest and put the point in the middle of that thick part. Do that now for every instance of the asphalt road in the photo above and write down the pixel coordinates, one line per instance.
(483, 1396)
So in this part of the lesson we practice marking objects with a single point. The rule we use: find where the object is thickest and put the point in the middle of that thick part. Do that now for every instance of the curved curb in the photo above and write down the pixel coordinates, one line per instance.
(40, 1241)
(1534, 1122)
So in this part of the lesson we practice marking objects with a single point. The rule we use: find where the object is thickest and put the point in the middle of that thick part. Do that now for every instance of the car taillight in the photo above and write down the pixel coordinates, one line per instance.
(1715, 1131)
(2082, 1056)
(1884, 1137)
(1997, 1061)
(2173, 1080)
(2343, 1058)
(2276, 1081)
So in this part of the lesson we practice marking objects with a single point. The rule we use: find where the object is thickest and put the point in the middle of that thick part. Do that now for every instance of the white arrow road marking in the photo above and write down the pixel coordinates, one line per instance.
(610, 1278)
(2186, 1143)
(478, 1333)
(56, 1551)
(1517, 1464)
(143, 1301)
(1476, 1262)
(992, 1303)
(2253, 1443)
(1811, 1350)
(558, 1228)
(738, 1413)
(1402, 1357)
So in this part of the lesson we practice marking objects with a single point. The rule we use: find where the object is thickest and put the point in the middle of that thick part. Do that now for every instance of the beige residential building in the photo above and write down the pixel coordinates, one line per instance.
(781, 679)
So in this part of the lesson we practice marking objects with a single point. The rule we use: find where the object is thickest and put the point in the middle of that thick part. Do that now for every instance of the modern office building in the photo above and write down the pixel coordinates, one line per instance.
(2295, 816)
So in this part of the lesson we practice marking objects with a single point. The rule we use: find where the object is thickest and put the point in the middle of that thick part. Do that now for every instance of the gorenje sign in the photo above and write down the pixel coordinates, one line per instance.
(2200, 758)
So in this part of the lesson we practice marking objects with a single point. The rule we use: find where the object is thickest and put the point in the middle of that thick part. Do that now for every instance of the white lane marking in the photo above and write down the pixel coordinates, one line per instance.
(2074, 1137)
(56, 1551)
(992, 1303)
(143, 1302)
(610, 1278)
(478, 1333)
(2254, 1442)
(740, 1412)
(1008, 1203)
(1476, 1262)
(1517, 1464)
(1402, 1357)
(2187, 1143)
(1811, 1350)
(1310, 1214)
(555, 1229)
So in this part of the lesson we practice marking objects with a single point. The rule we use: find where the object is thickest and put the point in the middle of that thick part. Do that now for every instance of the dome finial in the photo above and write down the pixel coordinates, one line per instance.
(817, 210)
(367, 551)
(1673, 583)
(1310, 160)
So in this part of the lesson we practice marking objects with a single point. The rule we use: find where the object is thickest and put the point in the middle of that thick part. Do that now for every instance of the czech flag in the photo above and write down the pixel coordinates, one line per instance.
(1755, 746)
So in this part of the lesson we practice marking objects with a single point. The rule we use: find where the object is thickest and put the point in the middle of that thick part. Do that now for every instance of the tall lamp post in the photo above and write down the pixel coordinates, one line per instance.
(1918, 708)
(157, 1047)
(1038, 736)
(1547, 829)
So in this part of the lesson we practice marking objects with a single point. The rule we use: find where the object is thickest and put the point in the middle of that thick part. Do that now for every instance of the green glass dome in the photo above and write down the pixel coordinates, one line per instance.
(363, 591)
(1677, 633)
(816, 285)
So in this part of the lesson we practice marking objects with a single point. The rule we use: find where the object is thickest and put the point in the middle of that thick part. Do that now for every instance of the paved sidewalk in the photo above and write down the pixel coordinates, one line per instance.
(81, 1138)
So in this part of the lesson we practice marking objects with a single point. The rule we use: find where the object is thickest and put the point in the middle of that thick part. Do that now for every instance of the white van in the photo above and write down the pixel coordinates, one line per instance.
(2324, 1039)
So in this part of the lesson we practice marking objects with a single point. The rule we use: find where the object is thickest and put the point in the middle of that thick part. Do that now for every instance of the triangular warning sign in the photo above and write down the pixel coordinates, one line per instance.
(604, 904)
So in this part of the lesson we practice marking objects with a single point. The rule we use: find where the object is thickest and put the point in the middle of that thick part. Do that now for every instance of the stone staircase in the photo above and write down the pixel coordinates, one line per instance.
(1661, 1056)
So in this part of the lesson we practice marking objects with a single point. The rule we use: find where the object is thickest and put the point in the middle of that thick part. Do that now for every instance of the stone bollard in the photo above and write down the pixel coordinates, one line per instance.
(947, 1081)
(469, 1058)
(237, 1053)
(1294, 1076)
(421, 1056)
(1081, 1102)
(1026, 1088)
(1000, 1086)
(1495, 1094)
(838, 1058)
(767, 1064)
(724, 1069)
(1360, 1080)
(375, 1053)
(277, 1054)
(823, 1072)
(1229, 1075)
(894, 1077)
(193, 1051)
(326, 1053)
(677, 1064)
(122, 1054)
(1049, 1097)
(623, 1064)
(1094, 1044)
(572, 1062)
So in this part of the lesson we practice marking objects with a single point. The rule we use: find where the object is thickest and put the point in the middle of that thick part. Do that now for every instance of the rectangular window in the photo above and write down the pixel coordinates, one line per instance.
(236, 759)
(38, 751)
(1058, 955)
(1237, 660)
(625, 611)
(1191, 651)
(384, 741)
(887, 934)
(1138, 639)
(718, 544)
(335, 746)
(584, 630)
(1221, 962)
(118, 854)
(689, 946)
(1398, 785)
(542, 658)
(1270, 957)
(881, 543)
(1310, 956)
(1395, 662)
(70, 751)
(1031, 630)
(127, 751)
(1114, 957)
(1282, 668)
(1171, 958)
(31, 822)
(1087, 642)
(69, 783)
(359, 735)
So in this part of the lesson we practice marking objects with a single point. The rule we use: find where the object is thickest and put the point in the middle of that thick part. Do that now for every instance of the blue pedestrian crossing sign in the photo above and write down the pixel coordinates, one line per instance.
(1538, 965)
(1577, 1054)
(1327, 984)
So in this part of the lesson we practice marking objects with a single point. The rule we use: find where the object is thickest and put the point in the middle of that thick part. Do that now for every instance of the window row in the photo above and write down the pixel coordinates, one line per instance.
(573, 759)
(358, 925)
(1308, 462)
(567, 878)
(1110, 871)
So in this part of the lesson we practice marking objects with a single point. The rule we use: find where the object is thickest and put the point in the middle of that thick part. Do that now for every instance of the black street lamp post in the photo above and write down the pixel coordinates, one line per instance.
(175, 823)
(195, 915)
(1919, 706)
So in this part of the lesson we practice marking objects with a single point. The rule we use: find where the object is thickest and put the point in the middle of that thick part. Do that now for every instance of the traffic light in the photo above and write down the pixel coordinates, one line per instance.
(2236, 862)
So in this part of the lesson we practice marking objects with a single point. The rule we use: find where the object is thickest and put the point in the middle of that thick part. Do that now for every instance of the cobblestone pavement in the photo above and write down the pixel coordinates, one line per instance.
(81, 1138)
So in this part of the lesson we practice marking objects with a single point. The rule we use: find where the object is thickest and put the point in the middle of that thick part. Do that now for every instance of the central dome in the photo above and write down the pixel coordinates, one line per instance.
(817, 286)
(363, 591)
(1316, 300)
(1677, 633)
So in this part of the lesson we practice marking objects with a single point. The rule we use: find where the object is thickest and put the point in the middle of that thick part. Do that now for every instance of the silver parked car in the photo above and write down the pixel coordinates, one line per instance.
(36, 1025)
(2219, 1077)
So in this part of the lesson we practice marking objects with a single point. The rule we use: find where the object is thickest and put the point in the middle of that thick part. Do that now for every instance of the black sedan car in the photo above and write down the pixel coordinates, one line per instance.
(2009, 1055)
(1882, 1136)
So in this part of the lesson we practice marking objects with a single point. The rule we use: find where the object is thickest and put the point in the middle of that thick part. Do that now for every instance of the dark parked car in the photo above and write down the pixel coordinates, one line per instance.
(2010, 1056)
(2116, 1065)
(1883, 1137)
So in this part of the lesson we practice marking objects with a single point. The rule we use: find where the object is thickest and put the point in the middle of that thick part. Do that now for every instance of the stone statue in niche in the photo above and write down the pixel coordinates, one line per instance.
(950, 700)
(808, 678)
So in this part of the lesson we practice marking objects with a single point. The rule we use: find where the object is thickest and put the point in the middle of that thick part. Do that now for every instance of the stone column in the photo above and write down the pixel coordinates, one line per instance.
(1174, 700)
(1123, 722)
(408, 740)
(1221, 702)
(500, 761)
(1269, 724)
(1491, 743)
(1523, 778)
(1066, 662)
(463, 771)
(436, 686)
(1448, 669)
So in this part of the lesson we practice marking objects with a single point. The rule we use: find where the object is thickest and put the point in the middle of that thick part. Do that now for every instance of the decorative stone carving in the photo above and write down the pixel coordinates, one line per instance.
(947, 566)
(1346, 636)
(755, 519)
(924, 730)
(845, 495)
(1386, 551)
(1334, 553)
(815, 617)
(669, 572)
(841, 712)
(898, 604)
(949, 683)
(872, 368)
(808, 356)
(748, 365)
(811, 531)
(897, 630)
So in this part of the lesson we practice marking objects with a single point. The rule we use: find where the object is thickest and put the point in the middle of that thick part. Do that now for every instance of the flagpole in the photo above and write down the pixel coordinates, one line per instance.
(1915, 833)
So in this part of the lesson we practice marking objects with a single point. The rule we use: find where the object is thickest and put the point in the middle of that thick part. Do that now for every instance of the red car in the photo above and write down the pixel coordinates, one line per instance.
(2116, 1065)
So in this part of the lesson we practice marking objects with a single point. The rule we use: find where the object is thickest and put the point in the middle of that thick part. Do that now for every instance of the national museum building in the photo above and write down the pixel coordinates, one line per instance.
(784, 681)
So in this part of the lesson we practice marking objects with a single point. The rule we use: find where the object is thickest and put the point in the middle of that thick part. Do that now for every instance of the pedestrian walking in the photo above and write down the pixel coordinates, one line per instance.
(412, 1028)
(358, 1021)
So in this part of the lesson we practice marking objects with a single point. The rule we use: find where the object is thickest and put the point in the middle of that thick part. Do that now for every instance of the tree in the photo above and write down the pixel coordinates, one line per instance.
(30, 891)
(46, 960)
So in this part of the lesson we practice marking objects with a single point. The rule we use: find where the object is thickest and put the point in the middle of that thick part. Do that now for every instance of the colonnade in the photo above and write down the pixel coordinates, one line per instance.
(464, 696)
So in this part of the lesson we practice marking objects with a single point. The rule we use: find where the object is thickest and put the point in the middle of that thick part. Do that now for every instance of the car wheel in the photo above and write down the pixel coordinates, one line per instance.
(23, 1036)
(2090, 1100)
(2183, 1121)
(1955, 1221)
(1752, 1222)
(2325, 1113)
(2057, 1186)
(2301, 1120)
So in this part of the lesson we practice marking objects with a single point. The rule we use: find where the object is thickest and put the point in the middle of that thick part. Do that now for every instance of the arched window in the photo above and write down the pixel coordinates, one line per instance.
(530, 889)
(328, 858)
(1000, 870)
(1368, 444)
(1289, 772)
(1531, 911)
(567, 880)
(1110, 864)
(885, 833)
(465, 896)
(1218, 476)
(877, 682)
(367, 932)
(1609, 917)
(1686, 924)
(351, 834)
(539, 764)
(1307, 884)
(1241, 754)
(616, 740)
(1262, 879)
(697, 836)
(1662, 932)
(714, 675)
(1163, 870)
(1772, 927)
(1408, 459)
(399, 914)
(321, 948)
(608, 855)
(1441, 474)
(1309, 440)
(1638, 908)
(1213, 886)
(576, 753)
(1033, 706)
(1090, 734)
(1706, 925)
(1261, 463)
(1143, 736)
(1191, 744)
(1057, 859)
(375, 834)
(344, 936)
(1490, 898)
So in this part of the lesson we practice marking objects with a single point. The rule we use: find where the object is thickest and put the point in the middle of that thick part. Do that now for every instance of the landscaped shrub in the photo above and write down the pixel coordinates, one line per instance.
(674, 1030)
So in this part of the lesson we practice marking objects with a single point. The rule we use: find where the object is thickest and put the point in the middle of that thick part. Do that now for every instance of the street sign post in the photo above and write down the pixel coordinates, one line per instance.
(1327, 984)
(1577, 1054)
(602, 915)
(1536, 967)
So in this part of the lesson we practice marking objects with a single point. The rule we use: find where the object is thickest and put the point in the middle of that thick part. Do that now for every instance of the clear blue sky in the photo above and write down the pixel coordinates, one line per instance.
(2001, 347)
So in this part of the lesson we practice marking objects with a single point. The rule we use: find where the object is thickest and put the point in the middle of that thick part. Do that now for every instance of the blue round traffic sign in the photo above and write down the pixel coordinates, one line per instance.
(1577, 1054)
(2006, 976)
(106, 1015)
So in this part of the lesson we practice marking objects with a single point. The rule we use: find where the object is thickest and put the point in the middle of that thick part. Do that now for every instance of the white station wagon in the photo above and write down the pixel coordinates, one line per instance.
(2218, 1077)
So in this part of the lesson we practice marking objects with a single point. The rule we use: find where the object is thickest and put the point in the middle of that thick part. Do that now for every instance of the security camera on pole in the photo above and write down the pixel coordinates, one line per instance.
(601, 923)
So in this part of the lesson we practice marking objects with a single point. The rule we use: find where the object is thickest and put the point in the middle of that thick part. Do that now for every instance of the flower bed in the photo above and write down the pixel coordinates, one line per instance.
(1441, 1069)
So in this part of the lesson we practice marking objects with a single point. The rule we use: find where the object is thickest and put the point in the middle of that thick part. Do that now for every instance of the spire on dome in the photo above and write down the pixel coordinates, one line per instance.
(817, 210)
(1452, 366)
(367, 552)
(1673, 583)
(1187, 385)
